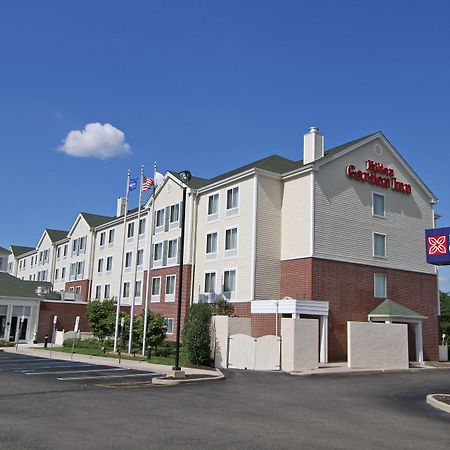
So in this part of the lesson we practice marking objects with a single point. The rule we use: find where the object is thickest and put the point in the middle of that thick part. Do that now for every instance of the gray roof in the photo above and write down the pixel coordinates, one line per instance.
(392, 309)
(4, 250)
(14, 287)
(95, 220)
(18, 250)
(56, 235)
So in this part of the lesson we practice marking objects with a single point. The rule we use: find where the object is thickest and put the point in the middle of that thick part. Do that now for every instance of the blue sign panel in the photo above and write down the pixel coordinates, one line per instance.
(438, 246)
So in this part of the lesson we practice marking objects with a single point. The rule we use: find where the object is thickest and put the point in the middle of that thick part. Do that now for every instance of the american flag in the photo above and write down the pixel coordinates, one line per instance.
(147, 183)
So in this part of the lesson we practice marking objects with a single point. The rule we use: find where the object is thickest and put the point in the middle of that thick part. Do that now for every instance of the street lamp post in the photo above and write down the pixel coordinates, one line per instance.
(185, 176)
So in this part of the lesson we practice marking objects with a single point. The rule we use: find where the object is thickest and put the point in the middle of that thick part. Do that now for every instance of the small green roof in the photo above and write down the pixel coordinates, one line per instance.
(95, 220)
(392, 309)
(18, 250)
(4, 250)
(56, 235)
(15, 287)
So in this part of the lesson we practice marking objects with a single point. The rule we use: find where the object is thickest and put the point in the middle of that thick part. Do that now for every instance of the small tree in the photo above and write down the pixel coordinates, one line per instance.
(197, 334)
(156, 329)
(222, 307)
(445, 314)
(101, 317)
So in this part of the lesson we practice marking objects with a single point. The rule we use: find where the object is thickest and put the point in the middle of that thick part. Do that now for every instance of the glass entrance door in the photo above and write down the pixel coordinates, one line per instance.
(13, 328)
(2, 326)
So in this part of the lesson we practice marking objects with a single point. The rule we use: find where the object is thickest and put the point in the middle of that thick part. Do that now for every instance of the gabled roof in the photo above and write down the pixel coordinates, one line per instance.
(14, 287)
(393, 310)
(18, 250)
(56, 235)
(95, 220)
(4, 250)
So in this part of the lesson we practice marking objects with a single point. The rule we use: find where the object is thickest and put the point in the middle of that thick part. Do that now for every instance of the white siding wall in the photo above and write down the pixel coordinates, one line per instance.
(268, 235)
(243, 262)
(62, 261)
(296, 218)
(28, 270)
(343, 214)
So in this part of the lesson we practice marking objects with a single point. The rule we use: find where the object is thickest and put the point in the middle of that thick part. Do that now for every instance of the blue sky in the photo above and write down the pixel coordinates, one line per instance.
(209, 85)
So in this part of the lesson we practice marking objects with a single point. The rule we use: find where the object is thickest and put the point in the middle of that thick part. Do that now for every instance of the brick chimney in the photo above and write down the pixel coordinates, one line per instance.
(312, 145)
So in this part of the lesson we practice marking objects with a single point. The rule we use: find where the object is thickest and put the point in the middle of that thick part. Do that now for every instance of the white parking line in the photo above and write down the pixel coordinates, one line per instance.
(52, 372)
(54, 366)
(107, 376)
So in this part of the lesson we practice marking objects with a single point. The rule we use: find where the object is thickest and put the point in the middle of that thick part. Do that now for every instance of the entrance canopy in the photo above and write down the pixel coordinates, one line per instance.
(390, 311)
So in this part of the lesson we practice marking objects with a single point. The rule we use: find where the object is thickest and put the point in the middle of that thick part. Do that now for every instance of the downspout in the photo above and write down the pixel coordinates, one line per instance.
(254, 240)
(193, 240)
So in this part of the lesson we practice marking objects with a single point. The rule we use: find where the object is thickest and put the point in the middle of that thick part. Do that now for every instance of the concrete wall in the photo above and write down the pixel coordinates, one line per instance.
(377, 345)
(300, 344)
(222, 328)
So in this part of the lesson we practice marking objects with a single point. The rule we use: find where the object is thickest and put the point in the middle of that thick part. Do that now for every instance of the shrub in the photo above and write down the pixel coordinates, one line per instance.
(101, 316)
(222, 307)
(197, 335)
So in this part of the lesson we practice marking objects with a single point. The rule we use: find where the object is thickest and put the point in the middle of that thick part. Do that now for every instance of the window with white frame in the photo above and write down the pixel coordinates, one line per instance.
(157, 252)
(46, 255)
(172, 251)
(109, 263)
(140, 257)
(111, 236)
(378, 205)
(130, 230)
(126, 289)
(231, 236)
(63, 273)
(379, 285)
(137, 288)
(141, 226)
(159, 221)
(210, 282)
(229, 283)
(232, 200)
(156, 289)
(379, 245)
(211, 245)
(128, 258)
(102, 238)
(77, 289)
(65, 251)
(174, 215)
(213, 206)
(107, 291)
(169, 324)
(98, 292)
(58, 254)
(170, 288)
(56, 274)
(100, 265)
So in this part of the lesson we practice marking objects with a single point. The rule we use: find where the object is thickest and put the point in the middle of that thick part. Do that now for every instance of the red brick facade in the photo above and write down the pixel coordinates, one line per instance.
(348, 288)
(84, 285)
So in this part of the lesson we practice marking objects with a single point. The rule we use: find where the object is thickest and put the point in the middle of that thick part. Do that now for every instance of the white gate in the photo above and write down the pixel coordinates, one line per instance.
(246, 352)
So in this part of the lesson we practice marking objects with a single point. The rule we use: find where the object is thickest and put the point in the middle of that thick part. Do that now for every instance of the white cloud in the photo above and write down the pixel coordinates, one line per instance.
(96, 141)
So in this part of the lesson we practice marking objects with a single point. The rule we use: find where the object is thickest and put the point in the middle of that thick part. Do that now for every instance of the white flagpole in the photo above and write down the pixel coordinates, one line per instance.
(133, 290)
(116, 329)
(149, 284)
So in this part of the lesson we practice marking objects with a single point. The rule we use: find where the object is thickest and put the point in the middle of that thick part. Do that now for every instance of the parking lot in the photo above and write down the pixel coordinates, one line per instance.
(52, 370)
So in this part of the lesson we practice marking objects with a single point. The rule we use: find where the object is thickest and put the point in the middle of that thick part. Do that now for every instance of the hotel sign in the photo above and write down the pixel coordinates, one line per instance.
(379, 175)
(438, 246)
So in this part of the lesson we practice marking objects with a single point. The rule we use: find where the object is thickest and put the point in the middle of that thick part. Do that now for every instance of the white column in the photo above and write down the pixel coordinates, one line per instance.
(323, 339)
(295, 316)
(419, 342)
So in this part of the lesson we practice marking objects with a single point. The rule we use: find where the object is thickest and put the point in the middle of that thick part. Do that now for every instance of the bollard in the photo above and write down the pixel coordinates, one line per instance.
(46, 341)
(149, 352)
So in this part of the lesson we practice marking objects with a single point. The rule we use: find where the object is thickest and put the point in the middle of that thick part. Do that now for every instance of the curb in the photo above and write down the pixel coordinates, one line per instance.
(171, 382)
(438, 404)
(355, 372)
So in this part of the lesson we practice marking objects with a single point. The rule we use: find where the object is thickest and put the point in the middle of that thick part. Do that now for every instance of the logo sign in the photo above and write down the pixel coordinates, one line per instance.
(438, 246)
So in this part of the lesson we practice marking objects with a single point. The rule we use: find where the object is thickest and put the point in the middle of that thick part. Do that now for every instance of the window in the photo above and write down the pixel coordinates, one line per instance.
(126, 289)
(130, 230)
(231, 239)
(102, 239)
(77, 289)
(378, 206)
(128, 258)
(173, 249)
(80, 269)
(58, 254)
(111, 236)
(213, 204)
(379, 285)
(65, 251)
(107, 291)
(46, 252)
(211, 244)
(100, 265)
(56, 274)
(73, 271)
(210, 282)
(82, 243)
(229, 283)
(140, 257)
(137, 289)
(159, 218)
(233, 198)
(157, 251)
(379, 245)
(109, 263)
(174, 213)
(169, 324)
(63, 273)
(40, 259)
(98, 292)
(141, 226)
(71, 289)
(156, 289)
(170, 288)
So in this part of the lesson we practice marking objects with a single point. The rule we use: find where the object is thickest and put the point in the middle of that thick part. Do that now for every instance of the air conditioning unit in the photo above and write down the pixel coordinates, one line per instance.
(209, 297)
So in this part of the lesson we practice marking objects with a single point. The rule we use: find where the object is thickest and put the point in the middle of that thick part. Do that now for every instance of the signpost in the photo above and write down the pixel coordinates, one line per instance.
(75, 331)
(438, 246)
(55, 319)
(20, 331)
(122, 323)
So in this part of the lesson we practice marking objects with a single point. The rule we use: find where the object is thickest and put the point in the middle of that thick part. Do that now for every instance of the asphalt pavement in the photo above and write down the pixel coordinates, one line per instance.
(254, 410)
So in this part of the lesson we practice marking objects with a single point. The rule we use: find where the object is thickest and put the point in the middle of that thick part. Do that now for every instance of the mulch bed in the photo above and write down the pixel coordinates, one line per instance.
(192, 377)
(442, 398)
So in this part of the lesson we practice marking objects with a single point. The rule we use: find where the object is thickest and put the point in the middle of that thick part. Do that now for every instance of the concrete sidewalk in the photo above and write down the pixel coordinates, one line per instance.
(113, 362)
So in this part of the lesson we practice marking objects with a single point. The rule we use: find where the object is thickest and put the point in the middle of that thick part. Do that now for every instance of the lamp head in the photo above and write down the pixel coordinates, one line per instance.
(185, 176)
